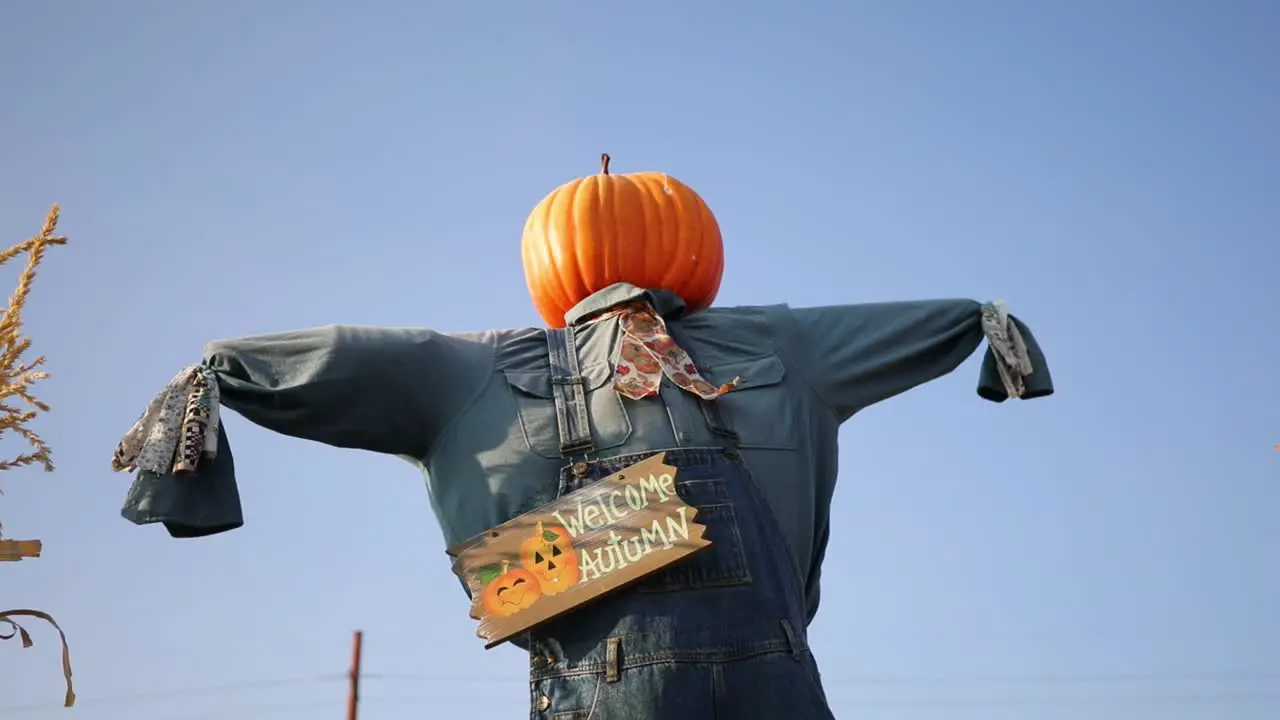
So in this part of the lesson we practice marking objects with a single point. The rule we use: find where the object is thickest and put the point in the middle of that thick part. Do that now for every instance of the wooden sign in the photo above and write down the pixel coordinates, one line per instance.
(15, 550)
(552, 560)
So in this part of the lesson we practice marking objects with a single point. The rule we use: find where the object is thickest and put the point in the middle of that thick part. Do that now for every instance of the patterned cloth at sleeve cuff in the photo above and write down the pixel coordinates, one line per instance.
(178, 428)
(1007, 347)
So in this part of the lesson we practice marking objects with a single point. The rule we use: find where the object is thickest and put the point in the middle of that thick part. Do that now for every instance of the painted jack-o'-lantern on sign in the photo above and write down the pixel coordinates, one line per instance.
(570, 552)
(549, 555)
(647, 228)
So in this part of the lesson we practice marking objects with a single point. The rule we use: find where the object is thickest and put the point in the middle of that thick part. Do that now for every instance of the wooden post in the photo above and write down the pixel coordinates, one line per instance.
(353, 696)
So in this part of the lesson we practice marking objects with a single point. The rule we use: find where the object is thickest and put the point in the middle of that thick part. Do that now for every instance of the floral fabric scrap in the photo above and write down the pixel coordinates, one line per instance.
(1008, 347)
(178, 428)
(647, 352)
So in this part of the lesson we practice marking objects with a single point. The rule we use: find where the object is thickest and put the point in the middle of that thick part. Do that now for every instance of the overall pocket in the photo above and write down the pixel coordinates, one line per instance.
(535, 403)
(724, 563)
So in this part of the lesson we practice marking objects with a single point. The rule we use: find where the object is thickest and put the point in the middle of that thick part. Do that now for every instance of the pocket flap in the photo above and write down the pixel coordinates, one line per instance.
(753, 373)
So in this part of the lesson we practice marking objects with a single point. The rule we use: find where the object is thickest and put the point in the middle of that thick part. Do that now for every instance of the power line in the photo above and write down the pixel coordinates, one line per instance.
(1093, 681)
(1059, 679)
(1266, 698)
(198, 691)
(830, 680)
(960, 703)
(955, 703)
(282, 707)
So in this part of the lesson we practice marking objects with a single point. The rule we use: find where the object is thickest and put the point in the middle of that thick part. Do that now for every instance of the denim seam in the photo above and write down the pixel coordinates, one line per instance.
(678, 657)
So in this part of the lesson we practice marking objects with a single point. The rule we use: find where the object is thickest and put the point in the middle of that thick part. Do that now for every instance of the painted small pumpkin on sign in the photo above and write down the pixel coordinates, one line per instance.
(550, 556)
(507, 590)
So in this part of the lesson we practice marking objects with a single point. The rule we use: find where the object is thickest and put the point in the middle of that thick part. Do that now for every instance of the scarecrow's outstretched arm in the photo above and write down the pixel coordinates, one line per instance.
(857, 355)
(389, 390)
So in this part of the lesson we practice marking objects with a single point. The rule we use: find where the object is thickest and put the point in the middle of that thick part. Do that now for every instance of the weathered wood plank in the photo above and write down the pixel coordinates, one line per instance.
(552, 560)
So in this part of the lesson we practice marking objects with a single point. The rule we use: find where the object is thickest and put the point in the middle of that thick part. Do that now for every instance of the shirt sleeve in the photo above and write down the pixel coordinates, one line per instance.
(857, 355)
(387, 390)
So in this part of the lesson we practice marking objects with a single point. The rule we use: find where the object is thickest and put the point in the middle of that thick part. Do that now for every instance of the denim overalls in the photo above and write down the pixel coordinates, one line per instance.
(719, 635)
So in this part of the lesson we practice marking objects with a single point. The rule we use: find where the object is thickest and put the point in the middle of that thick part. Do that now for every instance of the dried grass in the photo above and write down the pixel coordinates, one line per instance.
(18, 407)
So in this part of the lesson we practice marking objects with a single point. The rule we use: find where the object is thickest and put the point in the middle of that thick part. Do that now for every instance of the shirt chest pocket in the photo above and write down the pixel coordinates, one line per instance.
(763, 409)
(535, 404)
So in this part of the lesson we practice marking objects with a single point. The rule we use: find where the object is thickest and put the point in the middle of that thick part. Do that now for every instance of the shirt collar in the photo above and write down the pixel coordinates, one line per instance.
(666, 303)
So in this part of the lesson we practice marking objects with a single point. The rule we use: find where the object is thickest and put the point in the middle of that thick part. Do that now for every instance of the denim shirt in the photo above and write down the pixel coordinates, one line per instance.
(475, 412)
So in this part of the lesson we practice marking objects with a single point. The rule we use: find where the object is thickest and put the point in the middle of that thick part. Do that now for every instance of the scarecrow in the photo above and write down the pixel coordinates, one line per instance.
(744, 402)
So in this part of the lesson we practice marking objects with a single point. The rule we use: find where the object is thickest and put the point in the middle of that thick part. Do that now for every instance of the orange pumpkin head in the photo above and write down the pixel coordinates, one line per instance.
(549, 555)
(507, 590)
(646, 228)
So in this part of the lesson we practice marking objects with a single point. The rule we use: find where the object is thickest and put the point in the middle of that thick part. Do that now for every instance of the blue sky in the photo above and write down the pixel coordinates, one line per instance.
(1110, 169)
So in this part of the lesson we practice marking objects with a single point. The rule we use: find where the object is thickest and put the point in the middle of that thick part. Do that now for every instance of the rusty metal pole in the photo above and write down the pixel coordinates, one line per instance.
(353, 696)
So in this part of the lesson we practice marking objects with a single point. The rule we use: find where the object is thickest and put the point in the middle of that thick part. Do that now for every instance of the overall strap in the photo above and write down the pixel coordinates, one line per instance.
(569, 391)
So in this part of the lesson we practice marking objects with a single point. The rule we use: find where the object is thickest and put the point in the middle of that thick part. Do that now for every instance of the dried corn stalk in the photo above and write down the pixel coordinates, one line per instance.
(19, 407)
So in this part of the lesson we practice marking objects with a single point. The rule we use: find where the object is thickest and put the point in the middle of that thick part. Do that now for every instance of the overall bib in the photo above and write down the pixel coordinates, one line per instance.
(719, 635)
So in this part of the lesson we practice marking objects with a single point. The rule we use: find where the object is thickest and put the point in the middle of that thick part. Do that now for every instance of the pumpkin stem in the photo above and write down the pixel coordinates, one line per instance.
(604, 163)
(539, 528)
(506, 565)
